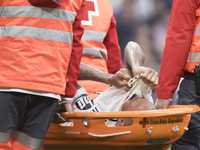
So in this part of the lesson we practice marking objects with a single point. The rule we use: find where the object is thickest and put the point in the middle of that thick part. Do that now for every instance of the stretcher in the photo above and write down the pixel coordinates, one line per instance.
(154, 127)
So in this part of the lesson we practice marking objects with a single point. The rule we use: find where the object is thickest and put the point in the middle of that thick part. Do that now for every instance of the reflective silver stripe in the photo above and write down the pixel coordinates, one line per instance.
(194, 57)
(95, 52)
(38, 33)
(152, 141)
(93, 35)
(4, 137)
(58, 1)
(188, 58)
(27, 140)
(39, 12)
(197, 32)
(72, 132)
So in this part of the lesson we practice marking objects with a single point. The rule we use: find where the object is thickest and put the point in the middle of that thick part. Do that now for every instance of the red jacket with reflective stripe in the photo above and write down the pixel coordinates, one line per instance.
(36, 44)
(179, 38)
(193, 58)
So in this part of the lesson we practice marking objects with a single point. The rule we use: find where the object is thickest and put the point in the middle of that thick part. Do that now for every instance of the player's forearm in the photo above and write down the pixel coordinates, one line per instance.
(133, 57)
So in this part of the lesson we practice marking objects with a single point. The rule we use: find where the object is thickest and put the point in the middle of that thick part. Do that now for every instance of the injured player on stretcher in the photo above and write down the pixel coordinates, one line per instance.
(130, 91)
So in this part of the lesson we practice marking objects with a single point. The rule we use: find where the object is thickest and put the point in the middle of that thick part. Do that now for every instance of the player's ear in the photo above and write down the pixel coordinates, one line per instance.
(121, 122)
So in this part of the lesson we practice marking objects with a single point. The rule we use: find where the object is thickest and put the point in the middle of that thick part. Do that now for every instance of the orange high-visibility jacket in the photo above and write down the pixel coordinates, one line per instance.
(100, 42)
(36, 44)
(194, 53)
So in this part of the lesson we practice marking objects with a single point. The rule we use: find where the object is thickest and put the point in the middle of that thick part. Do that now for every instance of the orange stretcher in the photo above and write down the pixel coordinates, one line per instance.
(154, 127)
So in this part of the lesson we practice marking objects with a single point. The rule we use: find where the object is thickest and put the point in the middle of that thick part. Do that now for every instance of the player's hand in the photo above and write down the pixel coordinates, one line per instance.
(162, 103)
(120, 79)
(150, 76)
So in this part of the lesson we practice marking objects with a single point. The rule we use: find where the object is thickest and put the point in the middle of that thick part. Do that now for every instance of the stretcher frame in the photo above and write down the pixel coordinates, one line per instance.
(154, 127)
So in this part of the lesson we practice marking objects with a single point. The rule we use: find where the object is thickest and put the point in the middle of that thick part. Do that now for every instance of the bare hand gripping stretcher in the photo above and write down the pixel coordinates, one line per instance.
(153, 127)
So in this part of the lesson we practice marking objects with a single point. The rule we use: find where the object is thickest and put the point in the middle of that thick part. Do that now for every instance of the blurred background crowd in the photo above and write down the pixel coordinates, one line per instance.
(144, 22)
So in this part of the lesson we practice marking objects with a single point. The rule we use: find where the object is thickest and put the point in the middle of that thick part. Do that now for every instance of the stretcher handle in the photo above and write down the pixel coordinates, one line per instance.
(172, 110)
(109, 135)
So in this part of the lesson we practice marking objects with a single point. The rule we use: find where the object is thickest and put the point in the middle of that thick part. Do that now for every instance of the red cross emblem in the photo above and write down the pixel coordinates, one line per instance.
(144, 122)
(89, 6)
(91, 9)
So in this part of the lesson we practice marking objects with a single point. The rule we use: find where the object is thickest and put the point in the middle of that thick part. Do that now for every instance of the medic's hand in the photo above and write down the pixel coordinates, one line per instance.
(57, 119)
(120, 79)
(162, 103)
(150, 76)
(67, 101)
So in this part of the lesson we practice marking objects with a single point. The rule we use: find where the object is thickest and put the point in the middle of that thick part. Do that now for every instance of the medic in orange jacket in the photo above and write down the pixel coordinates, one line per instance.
(40, 50)
(52, 37)
(100, 41)
(182, 44)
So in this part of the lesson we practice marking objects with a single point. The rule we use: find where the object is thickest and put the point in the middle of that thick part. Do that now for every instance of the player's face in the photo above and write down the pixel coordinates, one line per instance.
(134, 104)
(137, 103)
